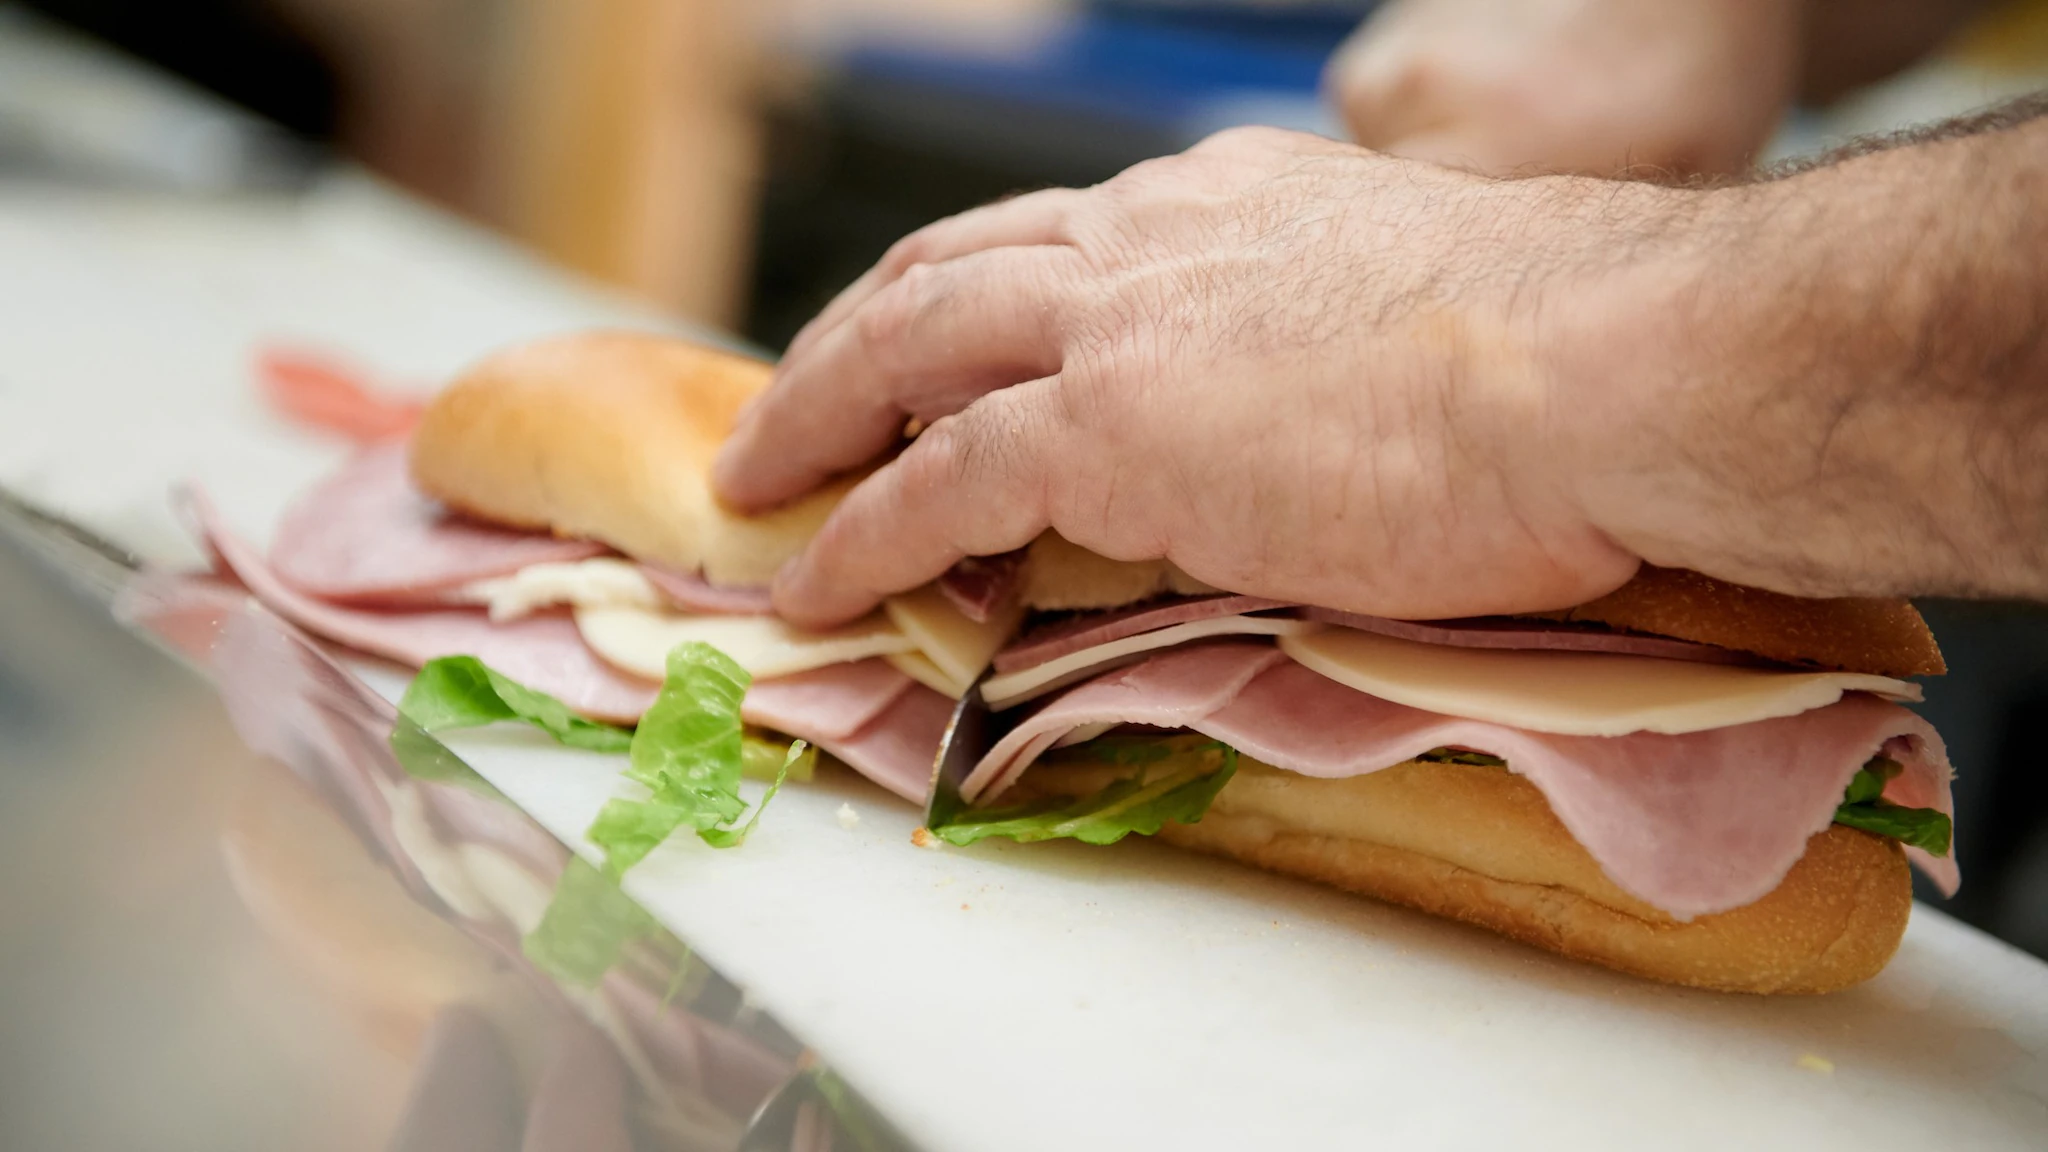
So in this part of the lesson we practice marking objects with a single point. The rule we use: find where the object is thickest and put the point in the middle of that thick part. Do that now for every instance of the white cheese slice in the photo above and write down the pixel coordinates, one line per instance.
(1027, 683)
(920, 668)
(638, 640)
(603, 582)
(957, 647)
(1574, 693)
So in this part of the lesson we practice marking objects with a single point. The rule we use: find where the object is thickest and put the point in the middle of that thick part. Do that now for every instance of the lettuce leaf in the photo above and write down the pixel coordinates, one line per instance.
(690, 752)
(460, 692)
(1864, 806)
(1175, 780)
(587, 926)
(765, 758)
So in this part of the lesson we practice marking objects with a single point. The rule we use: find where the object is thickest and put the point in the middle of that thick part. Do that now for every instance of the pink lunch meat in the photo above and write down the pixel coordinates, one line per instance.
(690, 592)
(542, 651)
(365, 536)
(1086, 631)
(1692, 824)
(867, 714)
(977, 585)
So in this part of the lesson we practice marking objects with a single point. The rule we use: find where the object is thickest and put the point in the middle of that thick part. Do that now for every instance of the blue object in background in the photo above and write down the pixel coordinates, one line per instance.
(1171, 73)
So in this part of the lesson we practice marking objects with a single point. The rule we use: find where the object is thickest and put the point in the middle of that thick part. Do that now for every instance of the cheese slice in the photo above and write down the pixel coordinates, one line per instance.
(638, 640)
(920, 632)
(1028, 683)
(584, 583)
(920, 668)
(1574, 693)
(958, 648)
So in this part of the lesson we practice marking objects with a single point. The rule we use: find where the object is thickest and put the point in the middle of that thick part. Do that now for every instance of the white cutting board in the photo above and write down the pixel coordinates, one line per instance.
(1004, 997)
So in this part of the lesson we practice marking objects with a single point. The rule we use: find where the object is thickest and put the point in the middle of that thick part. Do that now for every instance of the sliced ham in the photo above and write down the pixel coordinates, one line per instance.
(365, 536)
(1091, 629)
(1692, 824)
(899, 747)
(542, 651)
(690, 592)
(876, 719)
(866, 714)
(978, 585)
(1537, 635)
(825, 704)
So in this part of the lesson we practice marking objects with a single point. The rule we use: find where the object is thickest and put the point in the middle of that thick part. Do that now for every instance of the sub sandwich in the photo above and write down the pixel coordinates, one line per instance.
(1686, 780)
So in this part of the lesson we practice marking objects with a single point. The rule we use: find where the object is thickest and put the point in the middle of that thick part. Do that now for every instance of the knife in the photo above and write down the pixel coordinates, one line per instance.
(971, 733)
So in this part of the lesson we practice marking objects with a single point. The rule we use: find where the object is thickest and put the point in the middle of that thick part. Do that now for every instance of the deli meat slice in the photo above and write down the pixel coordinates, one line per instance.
(690, 592)
(1692, 824)
(825, 704)
(1541, 635)
(1092, 629)
(881, 723)
(867, 714)
(898, 748)
(978, 585)
(366, 536)
(542, 651)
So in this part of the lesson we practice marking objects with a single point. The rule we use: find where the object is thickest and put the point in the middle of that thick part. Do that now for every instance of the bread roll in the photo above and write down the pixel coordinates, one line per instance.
(1480, 844)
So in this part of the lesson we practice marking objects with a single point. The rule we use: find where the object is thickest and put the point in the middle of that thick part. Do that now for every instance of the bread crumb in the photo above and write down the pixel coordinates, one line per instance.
(923, 838)
(848, 818)
(1820, 1064)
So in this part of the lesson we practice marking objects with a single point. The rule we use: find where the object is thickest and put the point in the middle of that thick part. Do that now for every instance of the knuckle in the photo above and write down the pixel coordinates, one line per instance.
(908, 252)
(889, 320)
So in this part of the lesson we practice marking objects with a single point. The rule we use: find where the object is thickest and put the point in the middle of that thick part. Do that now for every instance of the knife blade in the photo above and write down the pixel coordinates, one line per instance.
(971, 733)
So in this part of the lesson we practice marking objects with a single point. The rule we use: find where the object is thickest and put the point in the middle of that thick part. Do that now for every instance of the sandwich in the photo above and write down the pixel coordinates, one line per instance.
(1686, 780)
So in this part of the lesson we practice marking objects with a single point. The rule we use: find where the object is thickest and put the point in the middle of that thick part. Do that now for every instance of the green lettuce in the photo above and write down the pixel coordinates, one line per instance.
(765, 758)
(1176, 779)
(1865, 807)
(588, 925)
(460, 692)
(689, 751)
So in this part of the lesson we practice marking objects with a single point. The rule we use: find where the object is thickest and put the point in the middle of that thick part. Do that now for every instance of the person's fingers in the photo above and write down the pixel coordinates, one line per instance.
(975, 484)
(926, 346)
(1035, 218)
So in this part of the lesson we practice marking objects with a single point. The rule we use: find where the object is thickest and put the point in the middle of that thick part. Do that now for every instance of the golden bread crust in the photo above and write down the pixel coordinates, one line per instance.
(1481, 845)
(1884, 637)
(610, 436)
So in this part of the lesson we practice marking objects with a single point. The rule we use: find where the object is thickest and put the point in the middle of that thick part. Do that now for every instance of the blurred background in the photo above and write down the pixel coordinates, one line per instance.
(734, 164)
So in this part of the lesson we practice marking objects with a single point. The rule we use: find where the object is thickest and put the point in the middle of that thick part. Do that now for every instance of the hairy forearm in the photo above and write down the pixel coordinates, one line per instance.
(1834, 383)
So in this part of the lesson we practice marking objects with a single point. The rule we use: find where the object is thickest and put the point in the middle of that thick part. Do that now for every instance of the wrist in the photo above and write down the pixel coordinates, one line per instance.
(1624, 350)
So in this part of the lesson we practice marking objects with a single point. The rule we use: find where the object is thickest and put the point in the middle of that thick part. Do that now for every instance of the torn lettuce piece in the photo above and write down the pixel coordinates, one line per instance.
(460, 692)
(689, 749)
(1176, 779)
(587, 927)
(766, 758)
(1864, 806)
(690, 753)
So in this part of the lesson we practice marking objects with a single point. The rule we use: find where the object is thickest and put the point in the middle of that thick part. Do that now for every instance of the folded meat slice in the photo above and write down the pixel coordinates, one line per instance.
(366, 536)
(1693, 824)
(867, 714)
(690, 592)
(542, 651)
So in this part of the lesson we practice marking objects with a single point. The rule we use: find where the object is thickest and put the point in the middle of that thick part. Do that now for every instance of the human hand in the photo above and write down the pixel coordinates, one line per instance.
(1293, 367)
(1593, 86)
